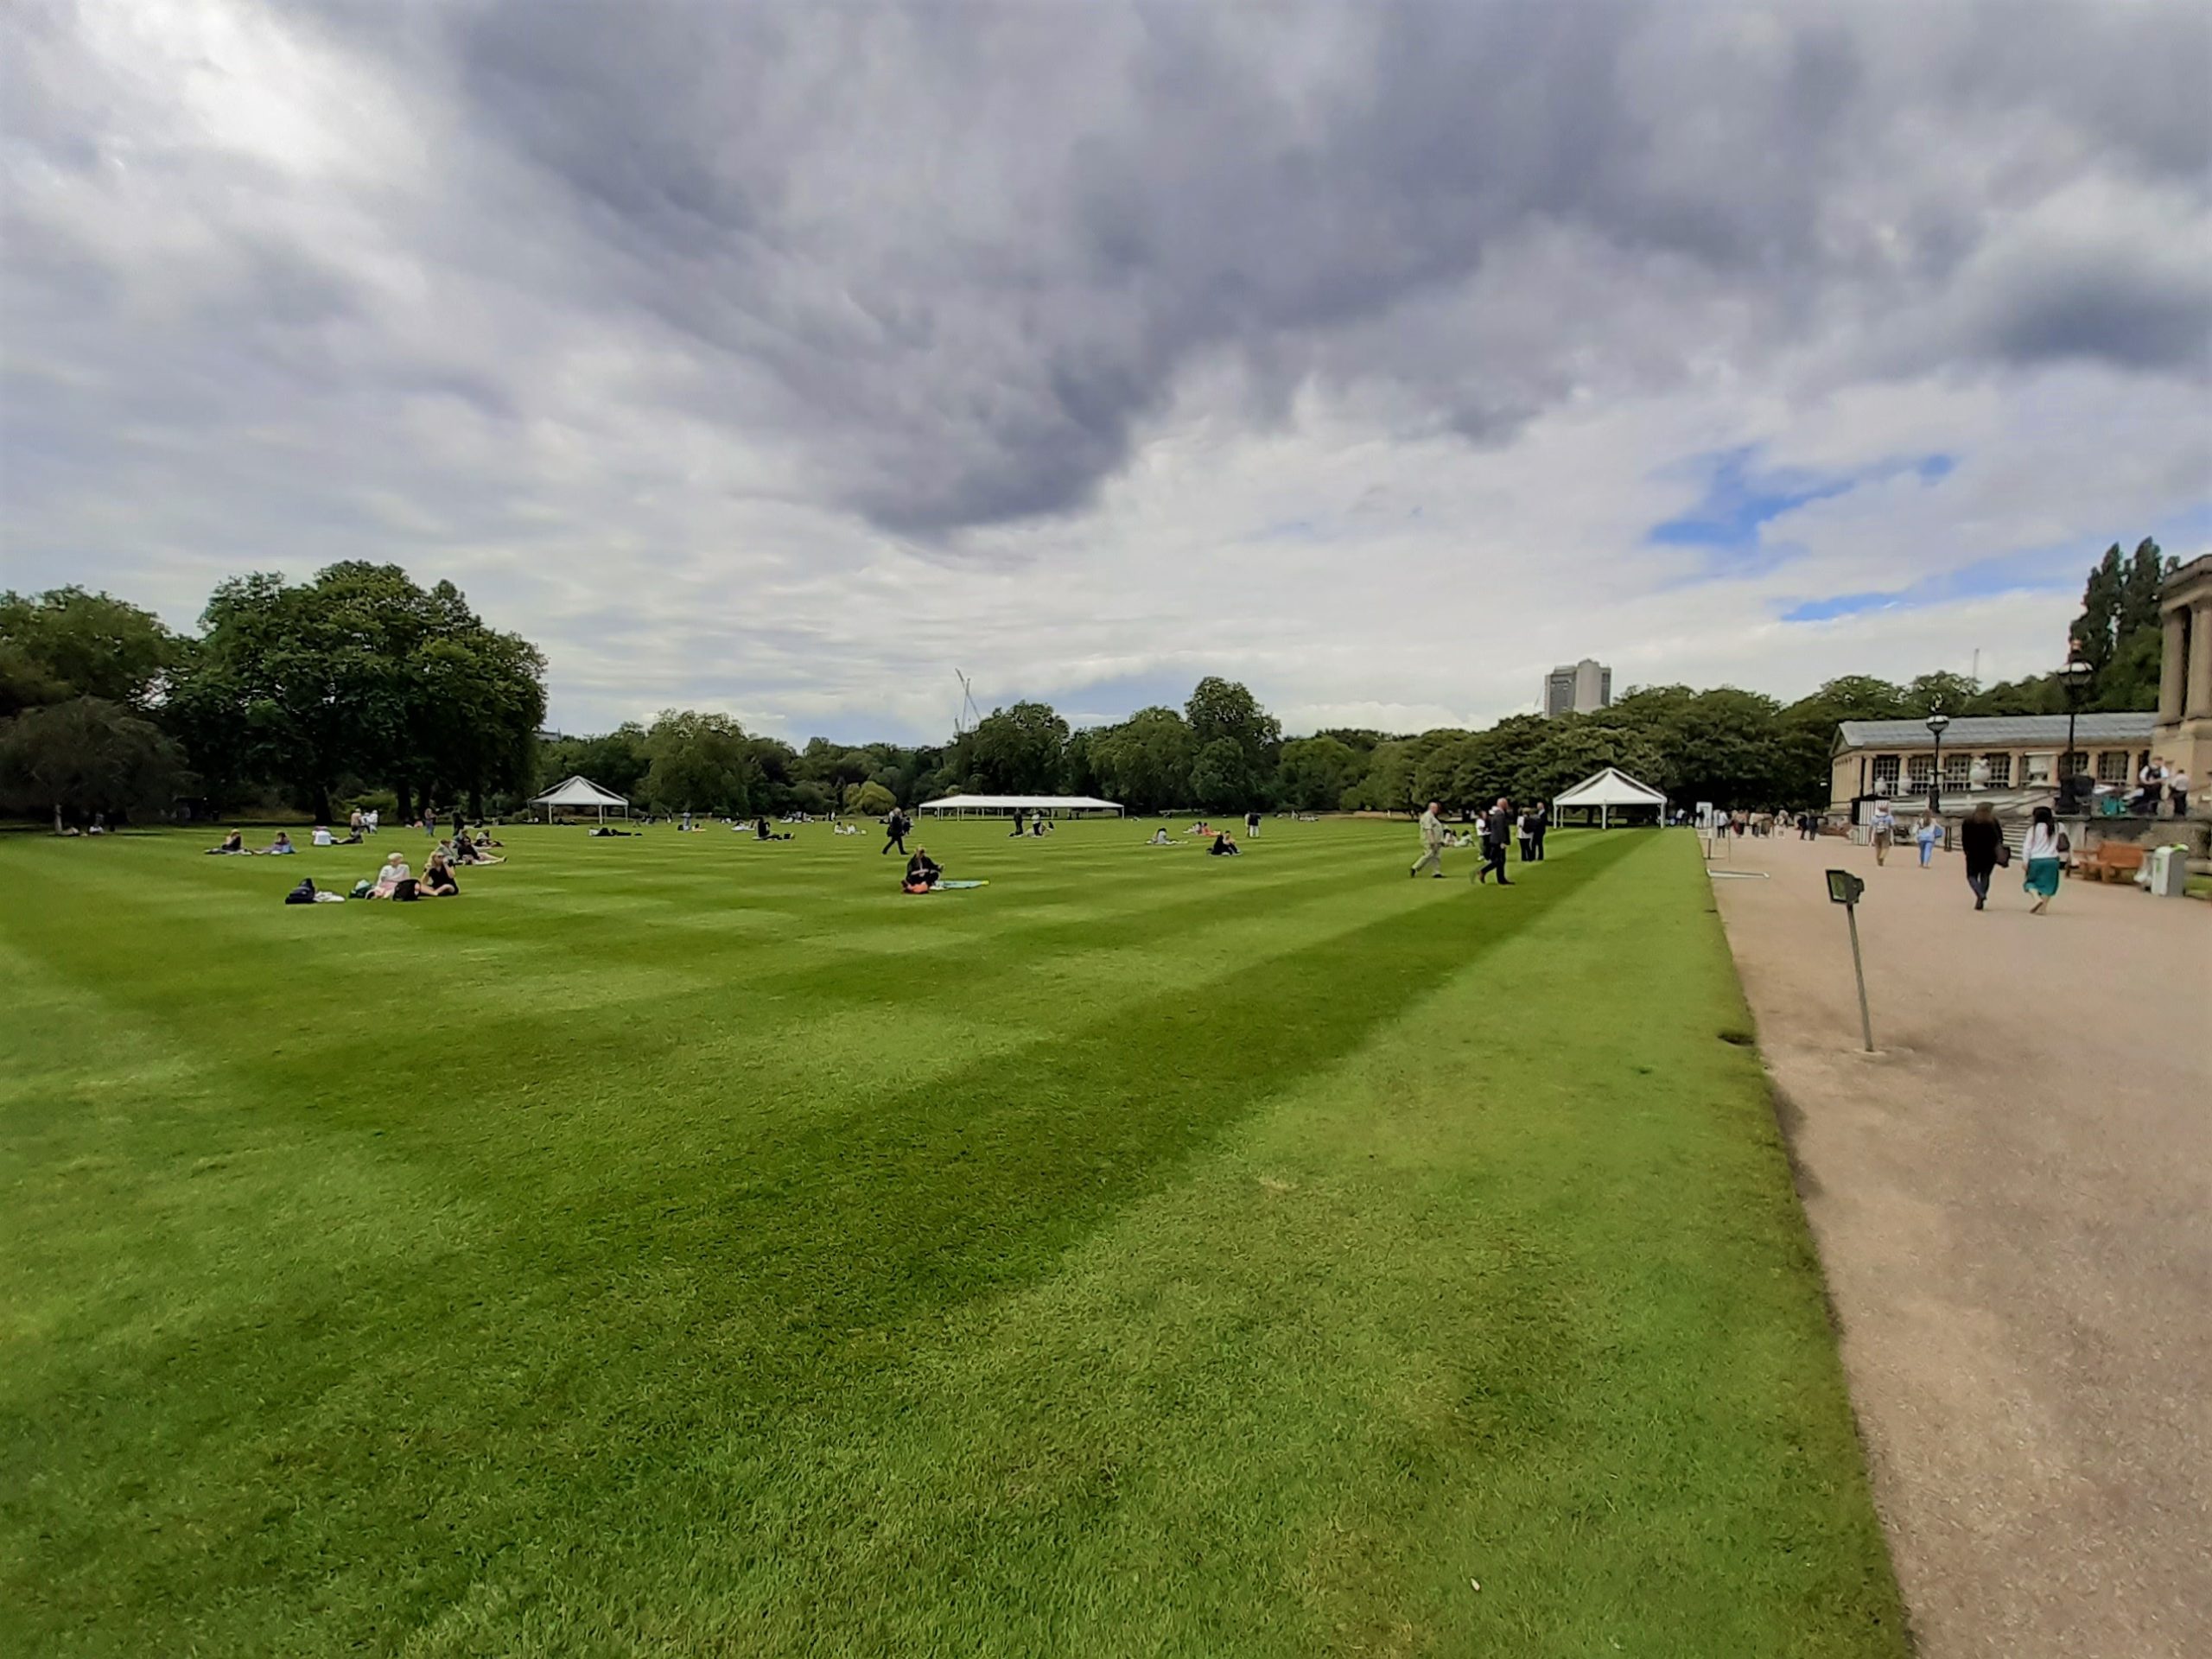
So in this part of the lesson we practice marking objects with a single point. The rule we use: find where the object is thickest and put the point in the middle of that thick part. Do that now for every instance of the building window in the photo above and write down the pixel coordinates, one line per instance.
(2112, 768)
(1886, 773)
(1956, 770)
(2000, 770)
(1922, 771)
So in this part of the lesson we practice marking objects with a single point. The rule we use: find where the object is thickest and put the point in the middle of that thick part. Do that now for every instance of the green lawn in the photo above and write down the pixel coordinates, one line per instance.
(683, 1246)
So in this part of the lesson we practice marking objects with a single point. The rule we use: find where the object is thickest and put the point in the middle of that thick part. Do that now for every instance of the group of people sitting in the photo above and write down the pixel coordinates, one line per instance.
(395, 880)
(234, 843)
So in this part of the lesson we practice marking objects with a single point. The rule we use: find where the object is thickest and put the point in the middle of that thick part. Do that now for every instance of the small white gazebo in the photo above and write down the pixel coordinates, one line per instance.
(579, 794)
(1607, 791)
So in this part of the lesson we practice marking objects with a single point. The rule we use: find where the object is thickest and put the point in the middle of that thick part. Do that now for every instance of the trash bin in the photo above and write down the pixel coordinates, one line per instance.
(2165, 871)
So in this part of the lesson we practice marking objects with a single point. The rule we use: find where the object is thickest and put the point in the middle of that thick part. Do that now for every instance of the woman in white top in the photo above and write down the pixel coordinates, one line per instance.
(2041, 856)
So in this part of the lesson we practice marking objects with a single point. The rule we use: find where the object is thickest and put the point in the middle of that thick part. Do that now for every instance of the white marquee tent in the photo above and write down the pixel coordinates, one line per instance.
(990, 806)
(581, 795)
(1606, 791)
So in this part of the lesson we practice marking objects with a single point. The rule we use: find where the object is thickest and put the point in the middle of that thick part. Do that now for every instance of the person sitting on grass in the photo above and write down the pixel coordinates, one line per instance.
(282, 844)
(394, 872)
(437, 878)
(1160, 838)
(1224, 848)
(762, 832)
(233, 842)
(923, 871)
(466, 851)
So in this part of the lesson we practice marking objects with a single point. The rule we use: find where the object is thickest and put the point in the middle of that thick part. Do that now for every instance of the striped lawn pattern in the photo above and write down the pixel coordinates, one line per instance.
(687, 1245)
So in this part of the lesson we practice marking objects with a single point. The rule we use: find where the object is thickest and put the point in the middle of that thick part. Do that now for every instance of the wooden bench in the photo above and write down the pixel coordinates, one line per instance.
(2111, 861)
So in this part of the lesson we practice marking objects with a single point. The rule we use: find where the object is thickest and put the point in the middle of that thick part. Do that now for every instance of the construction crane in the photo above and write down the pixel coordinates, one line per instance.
(965, 720)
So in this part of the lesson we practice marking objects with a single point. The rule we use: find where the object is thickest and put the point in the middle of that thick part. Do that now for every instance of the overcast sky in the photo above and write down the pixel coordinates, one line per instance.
(782, 359)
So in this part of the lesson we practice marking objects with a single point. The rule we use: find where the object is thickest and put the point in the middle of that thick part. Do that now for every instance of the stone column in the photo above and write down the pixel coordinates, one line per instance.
(2200, 659)
(2172, 667)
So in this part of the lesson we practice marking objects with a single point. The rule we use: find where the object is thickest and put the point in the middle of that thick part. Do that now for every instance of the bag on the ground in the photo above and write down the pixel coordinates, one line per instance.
(404, 890)
(302, 894)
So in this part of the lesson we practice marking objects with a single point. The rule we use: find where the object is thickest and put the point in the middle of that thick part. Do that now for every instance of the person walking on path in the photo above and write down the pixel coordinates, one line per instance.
(1884, 825)
(1982, 838)
(2177, 786)
(895, 832)
(1497, 830)
(1926, 835)
(1432, 844)
(2041, 857)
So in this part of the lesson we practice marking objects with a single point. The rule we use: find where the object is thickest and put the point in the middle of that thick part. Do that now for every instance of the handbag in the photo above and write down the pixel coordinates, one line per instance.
(2004, 854)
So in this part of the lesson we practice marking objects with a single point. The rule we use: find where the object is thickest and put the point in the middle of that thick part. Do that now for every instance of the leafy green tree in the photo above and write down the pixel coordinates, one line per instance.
(1145, 762)
(1225, 711)
(2117, 632)
(1018, 751)
(700, 763)
(1388, 784)
(616, 760)
(871, 798)
(1943, 689)
(88, 755)
(1314, 772)
(1220, 776)
(1572, 749)
(359, 673)
(67, 643)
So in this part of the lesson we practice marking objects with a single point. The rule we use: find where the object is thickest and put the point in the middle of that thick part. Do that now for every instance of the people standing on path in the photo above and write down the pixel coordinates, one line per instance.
(2178, 787)
(1432, 844)
(1982, 839)
(1884, 826)
(895, 832)
(1497, 830)
(1926, 838)
(2041, 855)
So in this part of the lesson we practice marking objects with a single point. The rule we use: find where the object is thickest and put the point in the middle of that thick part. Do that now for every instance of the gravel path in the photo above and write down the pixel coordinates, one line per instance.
(2013, 1204)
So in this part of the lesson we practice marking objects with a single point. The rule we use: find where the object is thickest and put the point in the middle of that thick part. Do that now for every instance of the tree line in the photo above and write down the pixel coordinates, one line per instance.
(362, 688)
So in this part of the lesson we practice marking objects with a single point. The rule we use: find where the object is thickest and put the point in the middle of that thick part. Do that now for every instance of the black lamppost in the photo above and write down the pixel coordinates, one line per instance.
(2074, 677)
(1936, 722)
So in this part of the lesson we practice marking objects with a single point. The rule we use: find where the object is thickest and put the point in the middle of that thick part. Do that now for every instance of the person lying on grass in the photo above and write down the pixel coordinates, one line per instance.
(923, 871)
(438, 880)
(1224, 848)
(466, 851)
(233, 842)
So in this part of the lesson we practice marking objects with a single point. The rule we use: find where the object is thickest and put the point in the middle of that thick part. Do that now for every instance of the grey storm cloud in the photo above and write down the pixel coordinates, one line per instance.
(954, 257)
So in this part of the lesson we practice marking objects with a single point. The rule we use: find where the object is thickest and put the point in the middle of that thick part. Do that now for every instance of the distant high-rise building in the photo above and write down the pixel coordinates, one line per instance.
(1578, 687)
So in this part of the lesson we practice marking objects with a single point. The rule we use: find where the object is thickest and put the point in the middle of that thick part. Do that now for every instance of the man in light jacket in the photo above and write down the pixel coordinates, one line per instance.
(1432, 844)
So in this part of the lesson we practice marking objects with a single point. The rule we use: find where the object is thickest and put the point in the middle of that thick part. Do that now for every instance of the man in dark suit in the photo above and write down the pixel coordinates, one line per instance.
(1497, 830)
(1543, 817)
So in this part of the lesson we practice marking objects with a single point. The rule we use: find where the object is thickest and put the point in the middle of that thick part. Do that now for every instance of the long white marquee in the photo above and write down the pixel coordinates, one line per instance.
(994, 805)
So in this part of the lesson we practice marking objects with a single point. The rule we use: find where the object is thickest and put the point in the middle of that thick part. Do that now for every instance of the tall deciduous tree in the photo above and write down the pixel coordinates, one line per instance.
(1145, 762)
(67, 643)
(701, 763)
(1019, 750)
(87, 755)
(1225, 711)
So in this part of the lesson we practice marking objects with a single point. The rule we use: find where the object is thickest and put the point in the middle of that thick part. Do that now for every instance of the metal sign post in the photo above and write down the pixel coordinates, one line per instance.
(1844, 889)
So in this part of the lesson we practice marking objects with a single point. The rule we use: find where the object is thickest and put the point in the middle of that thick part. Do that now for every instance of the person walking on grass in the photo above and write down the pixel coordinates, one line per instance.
(895, 832)
(1432, 844)
(1982, 839)
(2041, 855)
(1497, 830)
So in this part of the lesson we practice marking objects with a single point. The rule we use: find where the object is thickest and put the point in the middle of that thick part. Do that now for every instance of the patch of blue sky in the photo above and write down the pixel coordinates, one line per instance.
(2058, 568)
(1741, 498)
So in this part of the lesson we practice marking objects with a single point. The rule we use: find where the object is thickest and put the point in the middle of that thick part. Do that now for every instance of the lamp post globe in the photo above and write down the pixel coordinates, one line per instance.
(1936, 722)
(2074, 677)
